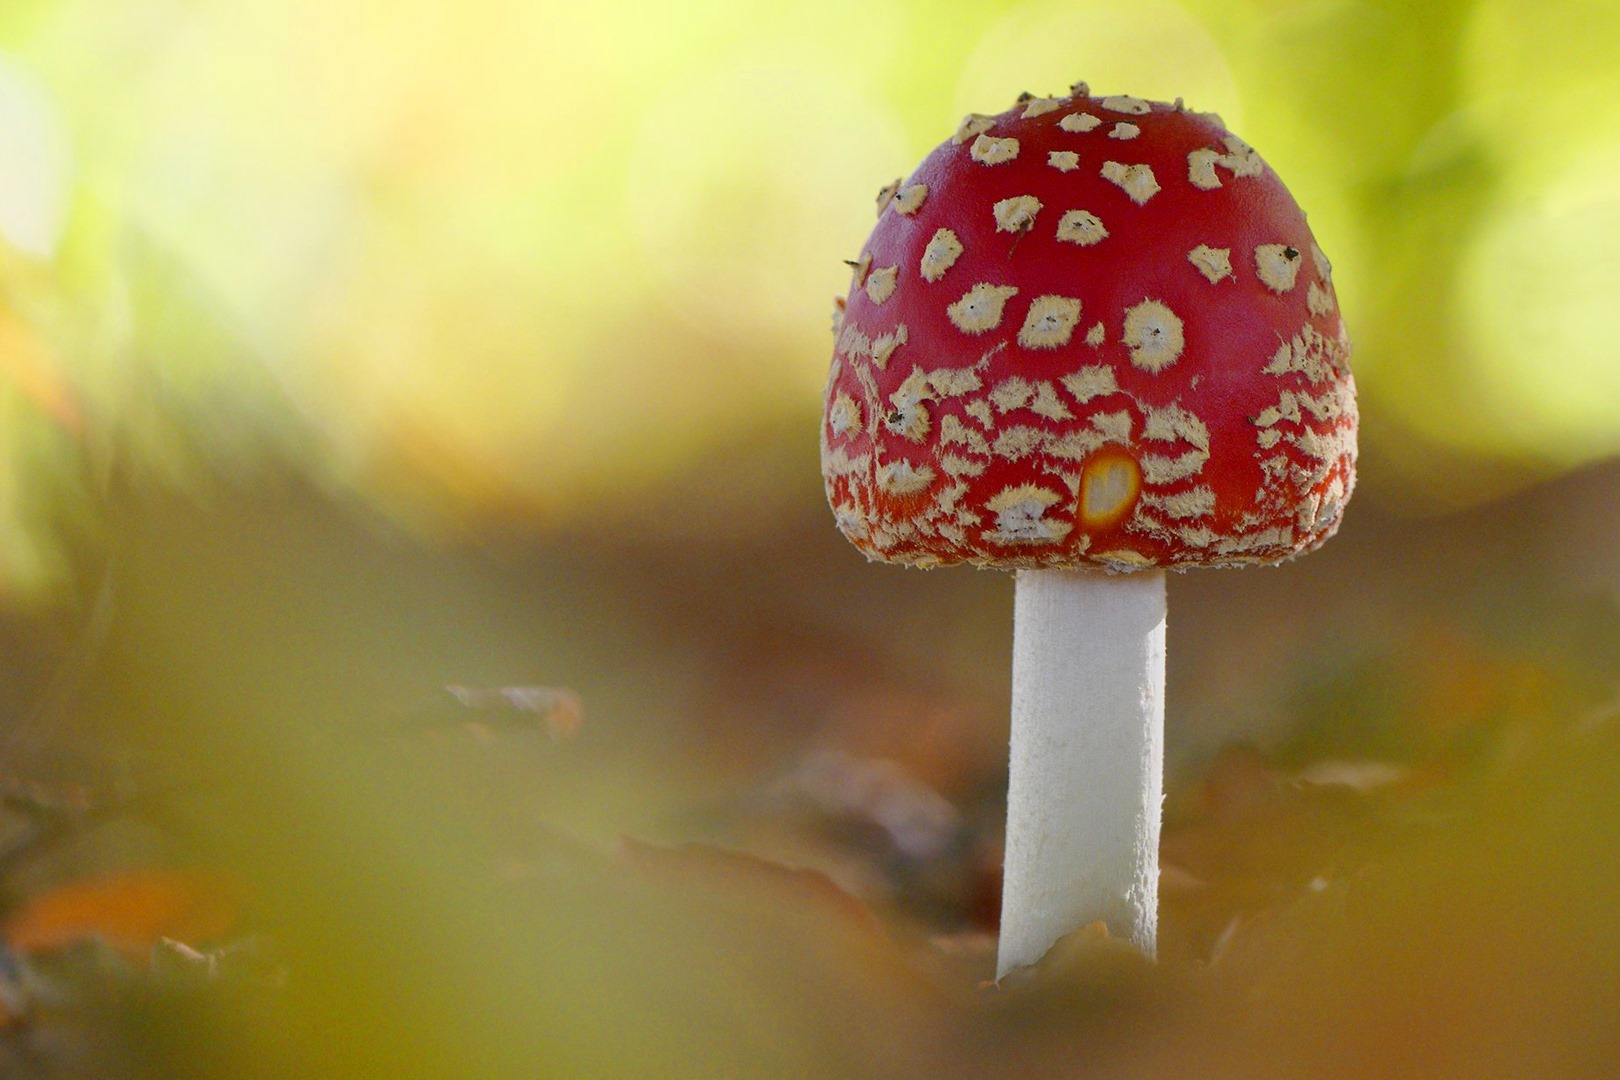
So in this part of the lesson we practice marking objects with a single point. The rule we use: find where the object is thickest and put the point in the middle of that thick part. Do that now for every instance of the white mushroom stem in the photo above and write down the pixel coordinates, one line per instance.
(1087, 760)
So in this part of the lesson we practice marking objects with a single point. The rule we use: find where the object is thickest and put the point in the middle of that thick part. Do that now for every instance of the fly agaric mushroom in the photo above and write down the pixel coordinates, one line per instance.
(1090, 339)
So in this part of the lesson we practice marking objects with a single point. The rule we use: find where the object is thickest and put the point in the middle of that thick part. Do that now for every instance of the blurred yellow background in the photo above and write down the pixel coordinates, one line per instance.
(506, 258)
(353, 349)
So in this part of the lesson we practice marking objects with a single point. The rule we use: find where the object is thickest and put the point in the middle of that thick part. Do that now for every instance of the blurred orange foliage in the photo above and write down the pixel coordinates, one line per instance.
(129, 911)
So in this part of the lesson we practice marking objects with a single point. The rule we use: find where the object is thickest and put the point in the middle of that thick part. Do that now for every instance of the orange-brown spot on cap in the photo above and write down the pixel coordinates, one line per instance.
(1109, 487)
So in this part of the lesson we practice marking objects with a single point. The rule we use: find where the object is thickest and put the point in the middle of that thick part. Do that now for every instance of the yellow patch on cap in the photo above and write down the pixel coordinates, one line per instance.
(1110, 484)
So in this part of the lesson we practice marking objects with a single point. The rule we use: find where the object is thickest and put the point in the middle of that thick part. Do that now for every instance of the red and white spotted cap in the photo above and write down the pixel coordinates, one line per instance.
(1089, 332)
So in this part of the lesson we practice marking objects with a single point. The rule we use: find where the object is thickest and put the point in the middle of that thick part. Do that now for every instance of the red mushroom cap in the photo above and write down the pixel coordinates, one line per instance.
(1089, 332)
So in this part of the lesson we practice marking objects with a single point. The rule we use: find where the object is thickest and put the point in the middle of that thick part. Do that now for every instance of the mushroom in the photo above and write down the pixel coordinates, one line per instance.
(1090, 359)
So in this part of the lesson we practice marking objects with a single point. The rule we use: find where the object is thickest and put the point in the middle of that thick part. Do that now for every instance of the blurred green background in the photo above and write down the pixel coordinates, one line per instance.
(495, 259)
(351, 350)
